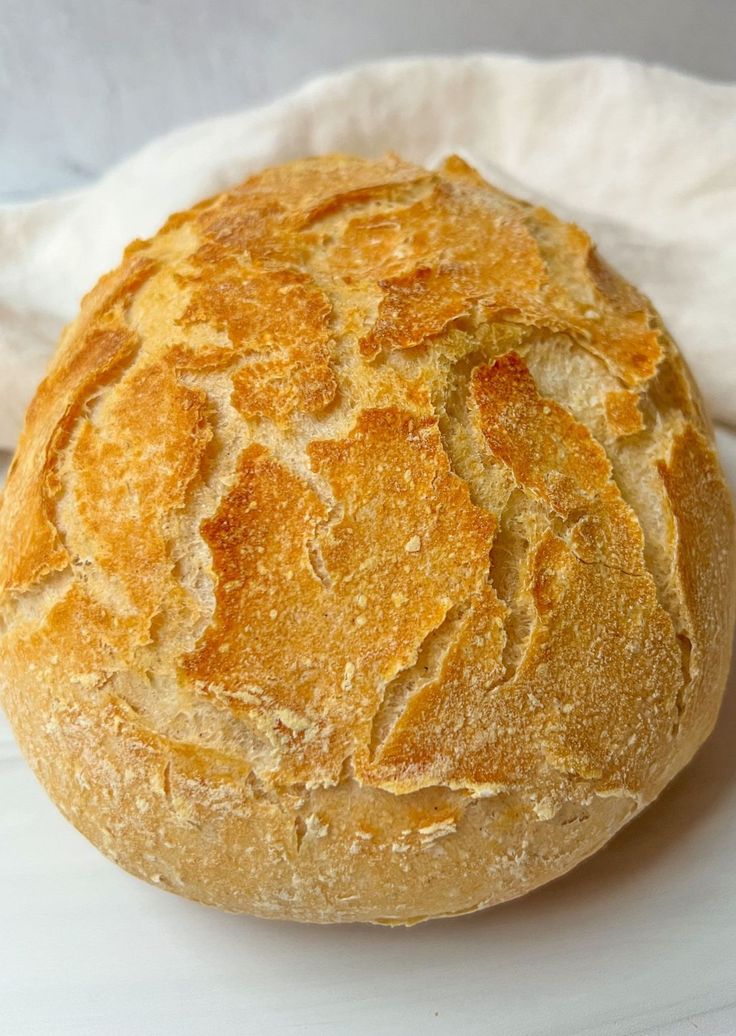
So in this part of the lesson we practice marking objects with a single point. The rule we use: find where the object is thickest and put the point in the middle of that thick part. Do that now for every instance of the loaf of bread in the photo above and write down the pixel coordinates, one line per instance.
(365, 555)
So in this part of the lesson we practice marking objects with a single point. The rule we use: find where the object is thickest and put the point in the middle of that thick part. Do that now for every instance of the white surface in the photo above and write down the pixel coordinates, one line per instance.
(85, 82)
(641, 938)
(644, 158)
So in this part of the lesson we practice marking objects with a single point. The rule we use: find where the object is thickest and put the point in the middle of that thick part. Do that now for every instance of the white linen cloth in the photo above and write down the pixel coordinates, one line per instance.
(644, 158)
(640, 939)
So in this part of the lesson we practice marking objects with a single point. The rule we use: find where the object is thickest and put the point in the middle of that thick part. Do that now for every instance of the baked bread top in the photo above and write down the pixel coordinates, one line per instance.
(362, 478)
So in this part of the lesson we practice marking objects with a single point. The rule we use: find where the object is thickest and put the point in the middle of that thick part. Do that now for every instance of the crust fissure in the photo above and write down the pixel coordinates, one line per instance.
(642, 490)
(230, 436)
(509, 577)
(424, 670)
(30, 606)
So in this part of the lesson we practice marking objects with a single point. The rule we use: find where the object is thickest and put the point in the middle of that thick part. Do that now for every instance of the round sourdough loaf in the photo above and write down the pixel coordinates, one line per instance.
(365, 555)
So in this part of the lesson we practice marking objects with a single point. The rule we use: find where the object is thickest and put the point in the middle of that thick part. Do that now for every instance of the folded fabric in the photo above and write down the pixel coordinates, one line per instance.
(644, 158)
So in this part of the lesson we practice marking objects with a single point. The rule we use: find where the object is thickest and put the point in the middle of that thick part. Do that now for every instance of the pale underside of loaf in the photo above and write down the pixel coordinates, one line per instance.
(365, 555)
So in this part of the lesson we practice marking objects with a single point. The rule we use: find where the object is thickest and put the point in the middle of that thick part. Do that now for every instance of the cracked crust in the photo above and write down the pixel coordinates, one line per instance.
(365, 555)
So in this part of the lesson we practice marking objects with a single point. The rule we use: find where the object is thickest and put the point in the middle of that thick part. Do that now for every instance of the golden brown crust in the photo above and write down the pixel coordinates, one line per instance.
(623, 415)
(365, 555)
(132, 464)
(284, 575)
(702, 568)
